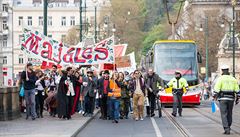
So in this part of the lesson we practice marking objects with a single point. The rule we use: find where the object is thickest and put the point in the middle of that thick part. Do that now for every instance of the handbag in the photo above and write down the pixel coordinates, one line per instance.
(21, 93)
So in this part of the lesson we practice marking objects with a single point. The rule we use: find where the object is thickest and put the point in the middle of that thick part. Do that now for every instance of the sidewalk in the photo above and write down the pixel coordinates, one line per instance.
(44, 127)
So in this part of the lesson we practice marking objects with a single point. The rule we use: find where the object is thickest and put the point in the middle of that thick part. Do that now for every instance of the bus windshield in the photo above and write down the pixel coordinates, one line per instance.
(169, 57)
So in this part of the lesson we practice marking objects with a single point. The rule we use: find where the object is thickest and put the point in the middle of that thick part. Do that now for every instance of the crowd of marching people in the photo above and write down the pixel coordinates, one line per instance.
(65, 92)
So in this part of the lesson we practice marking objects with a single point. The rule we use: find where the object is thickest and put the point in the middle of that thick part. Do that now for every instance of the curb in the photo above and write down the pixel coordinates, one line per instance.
(85, 124)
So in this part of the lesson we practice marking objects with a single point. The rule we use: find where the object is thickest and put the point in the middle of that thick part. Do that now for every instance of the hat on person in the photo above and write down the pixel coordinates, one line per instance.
(177, 72)
(89, 70)
(223, 67)
(106, 72)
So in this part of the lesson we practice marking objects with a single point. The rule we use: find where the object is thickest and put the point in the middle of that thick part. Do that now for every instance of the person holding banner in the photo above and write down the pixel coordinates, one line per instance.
(225, 91)
(114, 95)
(125, 95)
(29, 79)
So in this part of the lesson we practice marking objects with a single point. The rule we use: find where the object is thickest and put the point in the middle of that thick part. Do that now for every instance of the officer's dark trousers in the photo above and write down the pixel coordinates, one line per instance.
(226, 107)
(152, 103)
(177, 102)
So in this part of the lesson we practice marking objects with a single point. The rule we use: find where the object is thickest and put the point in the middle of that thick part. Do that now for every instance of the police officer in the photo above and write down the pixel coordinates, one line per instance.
(177, 83)
(225, 90)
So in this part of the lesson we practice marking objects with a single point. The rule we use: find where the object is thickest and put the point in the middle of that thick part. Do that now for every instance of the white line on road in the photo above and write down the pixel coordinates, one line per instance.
(157, 131)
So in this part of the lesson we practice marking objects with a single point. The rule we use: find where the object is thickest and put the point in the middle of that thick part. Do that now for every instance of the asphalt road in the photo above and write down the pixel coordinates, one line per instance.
(193, 123)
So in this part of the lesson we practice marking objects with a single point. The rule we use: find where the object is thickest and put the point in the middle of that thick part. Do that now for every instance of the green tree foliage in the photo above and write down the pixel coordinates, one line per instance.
(159, 28)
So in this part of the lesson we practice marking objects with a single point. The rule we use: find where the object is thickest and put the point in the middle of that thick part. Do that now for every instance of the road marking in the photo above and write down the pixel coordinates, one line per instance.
(157, 131)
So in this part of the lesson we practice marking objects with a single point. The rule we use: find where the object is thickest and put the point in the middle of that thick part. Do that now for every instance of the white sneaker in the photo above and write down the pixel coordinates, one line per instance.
(80, 112)
(131, 112)
(141, 118)
(136, 119)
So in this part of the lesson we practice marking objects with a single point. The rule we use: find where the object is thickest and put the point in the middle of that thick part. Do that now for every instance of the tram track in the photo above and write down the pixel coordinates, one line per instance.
(214, 119)
(180, 128)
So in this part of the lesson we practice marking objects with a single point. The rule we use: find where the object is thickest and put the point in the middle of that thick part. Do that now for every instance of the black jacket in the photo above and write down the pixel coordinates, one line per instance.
(155, 81)
(30, 84)
(101, 86)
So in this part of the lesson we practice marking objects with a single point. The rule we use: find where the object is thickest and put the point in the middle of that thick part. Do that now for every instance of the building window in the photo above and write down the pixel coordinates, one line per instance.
(20, 21)
(36, 4)
(238, 15)
(30, 59)
(64, 4)
(57, 4)
(29, 21)
(4, 41)
(49, 20)
(5, 7)
(5, 24)
(20, 38)
(63, 38)
(63, 21)
(72, 21)
(20, 60)
(5, 60)
(40, 20)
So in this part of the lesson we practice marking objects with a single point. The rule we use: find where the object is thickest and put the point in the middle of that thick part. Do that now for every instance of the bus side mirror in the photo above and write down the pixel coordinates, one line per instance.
(199, 57)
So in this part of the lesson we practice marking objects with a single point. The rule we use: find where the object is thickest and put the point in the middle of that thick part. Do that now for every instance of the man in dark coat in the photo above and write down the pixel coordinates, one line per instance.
(153, 83)
(29, 79)
(103, 88)
(89, 89)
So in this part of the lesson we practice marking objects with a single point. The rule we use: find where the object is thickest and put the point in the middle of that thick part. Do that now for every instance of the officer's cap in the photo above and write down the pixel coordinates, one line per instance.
(177, 72)
(223, 67)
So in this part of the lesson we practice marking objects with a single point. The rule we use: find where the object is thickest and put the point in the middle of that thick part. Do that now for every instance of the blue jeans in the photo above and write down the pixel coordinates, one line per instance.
(115, 103)
(30, 102)
(80, 106)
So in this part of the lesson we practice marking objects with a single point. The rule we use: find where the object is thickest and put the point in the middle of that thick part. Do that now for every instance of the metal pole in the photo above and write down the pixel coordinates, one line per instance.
(80, 20)
(173, 32)
(45, 5)
(233, 34)
(95, 27)
(206, 46)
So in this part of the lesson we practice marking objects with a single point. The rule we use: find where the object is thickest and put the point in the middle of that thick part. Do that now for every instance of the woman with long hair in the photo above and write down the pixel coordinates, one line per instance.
(125, 96)
(77, 83)
(114, 94)
(39, 95)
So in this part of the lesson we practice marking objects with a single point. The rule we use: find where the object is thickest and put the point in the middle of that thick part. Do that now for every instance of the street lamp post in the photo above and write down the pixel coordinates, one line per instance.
(80, 20)
(233, 34)
(95, 25)
(206, 44)
(45, 5)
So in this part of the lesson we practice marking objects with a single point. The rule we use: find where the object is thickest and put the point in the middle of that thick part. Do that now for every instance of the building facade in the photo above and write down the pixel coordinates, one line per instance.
(6, 46)
(62, 16)
(197, 12)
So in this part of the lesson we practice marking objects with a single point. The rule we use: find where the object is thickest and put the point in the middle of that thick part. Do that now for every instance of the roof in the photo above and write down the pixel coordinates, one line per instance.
(55, 1)
(174, 41)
